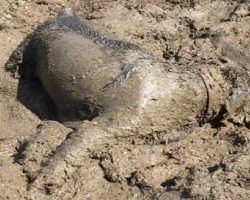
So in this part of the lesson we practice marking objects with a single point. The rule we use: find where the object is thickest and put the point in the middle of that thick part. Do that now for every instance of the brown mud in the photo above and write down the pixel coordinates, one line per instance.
(208, 160)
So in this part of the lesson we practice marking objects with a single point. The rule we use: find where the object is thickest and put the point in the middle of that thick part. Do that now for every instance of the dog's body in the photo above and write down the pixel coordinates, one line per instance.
(89, 74)
(116, 84)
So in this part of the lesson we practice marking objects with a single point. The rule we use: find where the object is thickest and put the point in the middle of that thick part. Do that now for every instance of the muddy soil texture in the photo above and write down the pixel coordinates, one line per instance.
(205, 160)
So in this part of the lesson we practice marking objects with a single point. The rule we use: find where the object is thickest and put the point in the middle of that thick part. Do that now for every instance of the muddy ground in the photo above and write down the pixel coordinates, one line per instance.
(207, 162)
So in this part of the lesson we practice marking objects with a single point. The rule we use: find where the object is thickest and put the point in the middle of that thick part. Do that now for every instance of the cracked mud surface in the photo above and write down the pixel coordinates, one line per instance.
(207, 162)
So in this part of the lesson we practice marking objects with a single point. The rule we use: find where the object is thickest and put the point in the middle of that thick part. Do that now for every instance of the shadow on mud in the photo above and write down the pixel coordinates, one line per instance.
(33, 96)
(30, 92)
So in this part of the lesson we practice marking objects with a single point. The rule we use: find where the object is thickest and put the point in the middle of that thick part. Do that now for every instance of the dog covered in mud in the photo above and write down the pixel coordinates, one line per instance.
(106, 88)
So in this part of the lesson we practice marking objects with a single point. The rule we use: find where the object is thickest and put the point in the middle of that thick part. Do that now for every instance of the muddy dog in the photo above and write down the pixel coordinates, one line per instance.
(107, 88)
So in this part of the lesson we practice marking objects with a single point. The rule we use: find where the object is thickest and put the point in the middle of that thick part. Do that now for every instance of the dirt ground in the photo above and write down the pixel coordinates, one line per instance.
(207, 162)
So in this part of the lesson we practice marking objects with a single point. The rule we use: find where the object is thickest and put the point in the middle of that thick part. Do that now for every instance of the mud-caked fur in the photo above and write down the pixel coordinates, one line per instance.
(67, 21)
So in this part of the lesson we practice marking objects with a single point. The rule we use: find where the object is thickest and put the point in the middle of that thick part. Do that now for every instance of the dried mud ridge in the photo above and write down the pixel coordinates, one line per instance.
(117, 100)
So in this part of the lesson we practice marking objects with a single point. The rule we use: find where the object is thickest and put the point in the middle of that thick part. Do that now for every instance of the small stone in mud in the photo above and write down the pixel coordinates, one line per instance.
(3, 25)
